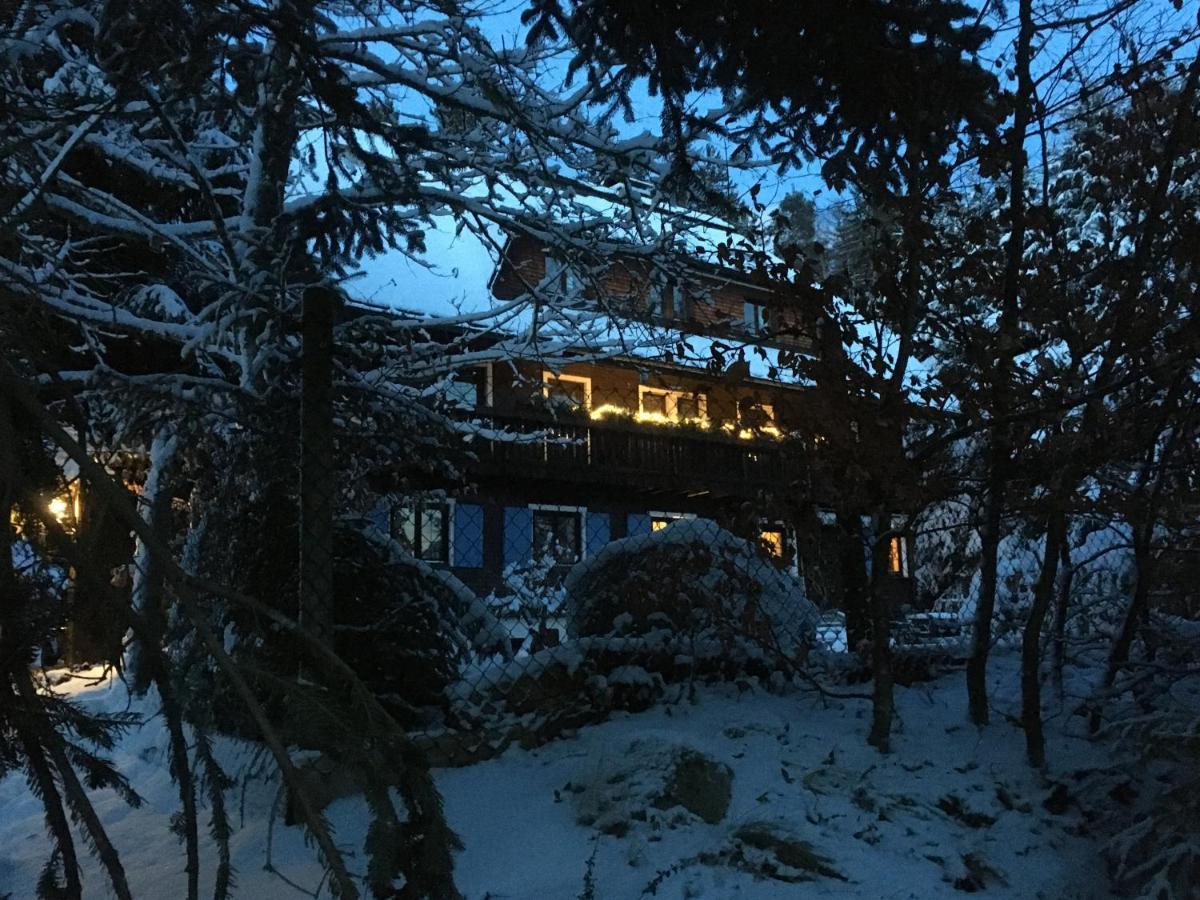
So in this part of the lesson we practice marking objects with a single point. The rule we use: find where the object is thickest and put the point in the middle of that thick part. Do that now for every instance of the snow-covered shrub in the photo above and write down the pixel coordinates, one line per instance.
(530, 602)
(690, 593)
(405, 627)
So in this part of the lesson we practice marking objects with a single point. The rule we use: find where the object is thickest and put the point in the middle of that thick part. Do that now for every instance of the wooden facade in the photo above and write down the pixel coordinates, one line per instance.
(596, 450)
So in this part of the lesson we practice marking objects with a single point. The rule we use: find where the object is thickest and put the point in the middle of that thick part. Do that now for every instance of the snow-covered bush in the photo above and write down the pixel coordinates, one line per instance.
(690, 593)
(405, 627)
(530, 603)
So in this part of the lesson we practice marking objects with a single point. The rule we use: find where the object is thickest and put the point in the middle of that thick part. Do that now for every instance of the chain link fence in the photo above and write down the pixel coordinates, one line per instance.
(502, 575)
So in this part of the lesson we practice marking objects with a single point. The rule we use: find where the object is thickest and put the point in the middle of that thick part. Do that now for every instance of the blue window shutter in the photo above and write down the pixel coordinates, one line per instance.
(638, 524)
(380, 517)
(468, 535)
(597, 532)
(518, 534)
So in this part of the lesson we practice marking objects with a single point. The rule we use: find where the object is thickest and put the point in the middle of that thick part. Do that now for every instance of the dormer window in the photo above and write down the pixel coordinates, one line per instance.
(754, 317)
(666, 300)
(564, 279)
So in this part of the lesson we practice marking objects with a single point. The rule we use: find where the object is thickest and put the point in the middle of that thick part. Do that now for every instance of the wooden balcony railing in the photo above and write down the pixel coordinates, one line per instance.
(576, 448)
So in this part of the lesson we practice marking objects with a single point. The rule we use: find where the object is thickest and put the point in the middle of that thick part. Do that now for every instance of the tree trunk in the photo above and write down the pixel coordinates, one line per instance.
(1119, 654)
(1062, 607)
(147, 594)
(985, 603)
(318, 483)
(855, 602)
(1031, 645)
(1000, 448)
(883, 697)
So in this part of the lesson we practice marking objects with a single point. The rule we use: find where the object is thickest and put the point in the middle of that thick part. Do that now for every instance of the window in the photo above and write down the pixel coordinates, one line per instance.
(660, 404)
(570, 283)
(774, 541)
(660, 520)
(558, 532)
(754, 317)
(462, 394)
(898, 556)
(666, 300)
(571, 392)
(757, 416)
(422, 526)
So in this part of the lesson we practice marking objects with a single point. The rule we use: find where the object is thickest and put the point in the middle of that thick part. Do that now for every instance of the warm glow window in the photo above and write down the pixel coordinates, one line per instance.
(423, 528)
(898, 556)
(757, 416)
(672, 406)
(660, 520)
(774, 542)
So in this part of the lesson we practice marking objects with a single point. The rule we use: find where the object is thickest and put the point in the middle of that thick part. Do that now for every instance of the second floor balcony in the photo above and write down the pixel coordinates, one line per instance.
(620, 449)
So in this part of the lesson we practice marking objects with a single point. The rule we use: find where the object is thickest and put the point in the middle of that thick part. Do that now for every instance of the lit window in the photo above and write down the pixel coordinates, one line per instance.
(558, 532)
(422, 527)
(672, 406)
(898, 556)
(757, 416)
(773, 541)
(571, 392)
(660, 520)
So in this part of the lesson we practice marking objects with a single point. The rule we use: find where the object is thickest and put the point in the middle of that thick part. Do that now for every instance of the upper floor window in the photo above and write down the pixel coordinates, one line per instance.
(672, 406)
(558, 533)
(571, 392)
(757, 416)
(755, 318)
(422, 526)
(666, 300)
(564, 277)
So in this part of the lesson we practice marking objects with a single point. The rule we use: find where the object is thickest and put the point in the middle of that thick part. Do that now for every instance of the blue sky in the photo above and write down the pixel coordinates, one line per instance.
(459, 266)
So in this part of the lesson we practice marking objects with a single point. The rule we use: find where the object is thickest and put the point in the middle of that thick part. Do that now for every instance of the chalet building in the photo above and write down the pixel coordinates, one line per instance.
(625, 445)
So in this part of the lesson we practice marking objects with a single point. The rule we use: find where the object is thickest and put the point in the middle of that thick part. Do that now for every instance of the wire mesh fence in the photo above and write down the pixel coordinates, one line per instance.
(483, 611)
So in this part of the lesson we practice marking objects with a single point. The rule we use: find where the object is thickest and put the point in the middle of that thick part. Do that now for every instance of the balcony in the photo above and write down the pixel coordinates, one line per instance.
(574, 447)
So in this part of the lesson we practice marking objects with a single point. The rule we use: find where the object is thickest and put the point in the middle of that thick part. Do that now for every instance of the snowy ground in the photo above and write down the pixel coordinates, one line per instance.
(950, 804)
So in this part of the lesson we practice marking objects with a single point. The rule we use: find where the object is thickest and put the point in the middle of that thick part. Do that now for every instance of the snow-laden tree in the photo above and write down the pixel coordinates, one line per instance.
(178, 182)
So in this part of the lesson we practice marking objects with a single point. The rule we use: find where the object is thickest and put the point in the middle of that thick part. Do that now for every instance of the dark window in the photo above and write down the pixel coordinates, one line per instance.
(666, 300)
(462, 394)
(688, 407)
(656, 404)
(557, 533)
(566, 392)
(423, 528)
(755, 317)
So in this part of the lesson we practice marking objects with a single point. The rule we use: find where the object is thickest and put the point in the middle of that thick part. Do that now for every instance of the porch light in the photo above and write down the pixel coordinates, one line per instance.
(58, 508)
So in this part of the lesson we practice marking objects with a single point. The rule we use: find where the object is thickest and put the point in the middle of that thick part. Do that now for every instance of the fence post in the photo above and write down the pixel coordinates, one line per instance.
(317, 477)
